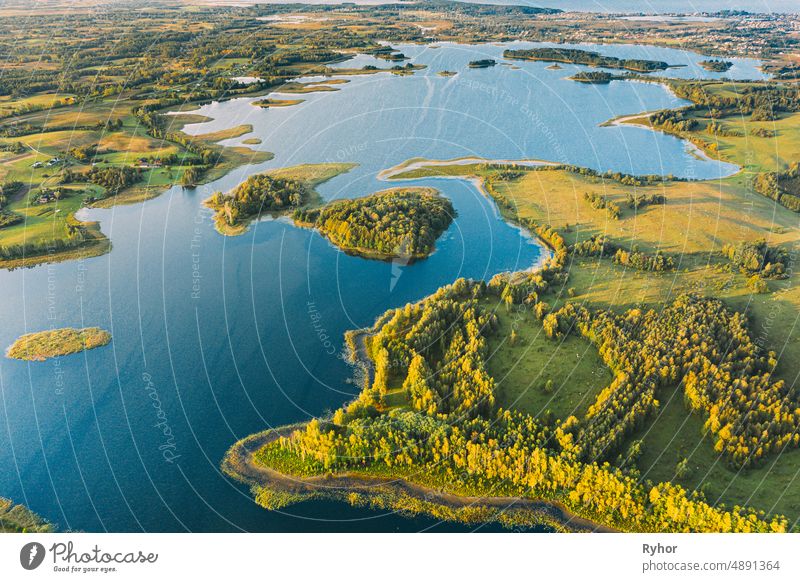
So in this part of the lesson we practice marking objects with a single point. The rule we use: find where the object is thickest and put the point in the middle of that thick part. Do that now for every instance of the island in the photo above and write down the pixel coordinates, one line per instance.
(446, 73)
(715, 65)
(273, 192)
(482, 63)
(396, 223)
(594, 77)
(265, 103)
(54, 343)
(583, 57)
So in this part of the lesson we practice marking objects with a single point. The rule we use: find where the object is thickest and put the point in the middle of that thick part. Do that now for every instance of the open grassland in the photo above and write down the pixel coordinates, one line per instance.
(537, 375)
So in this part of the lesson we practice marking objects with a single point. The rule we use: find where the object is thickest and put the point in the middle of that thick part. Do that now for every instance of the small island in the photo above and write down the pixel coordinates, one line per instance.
(716, 66)
(395, 223)
(274, 192)
(482, 63)
(595, 77)
(581, 57)
(42, 345)
(446, 74)
(265, 103)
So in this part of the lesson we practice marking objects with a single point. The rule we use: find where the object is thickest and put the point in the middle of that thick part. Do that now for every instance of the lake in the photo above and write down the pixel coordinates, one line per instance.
(219, 337)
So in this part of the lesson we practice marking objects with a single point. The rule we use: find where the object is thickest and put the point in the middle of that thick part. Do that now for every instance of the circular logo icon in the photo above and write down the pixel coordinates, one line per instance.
(31, 555)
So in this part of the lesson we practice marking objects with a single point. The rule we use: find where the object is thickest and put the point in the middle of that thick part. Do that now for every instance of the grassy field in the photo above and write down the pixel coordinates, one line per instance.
(535, 374)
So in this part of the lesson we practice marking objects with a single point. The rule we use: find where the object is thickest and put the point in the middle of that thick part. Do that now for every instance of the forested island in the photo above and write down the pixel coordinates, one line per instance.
(597, 77)
(397, 223)
(482, 63)
(273, 192)
(715, 65)
(582, 57)
(54, 343)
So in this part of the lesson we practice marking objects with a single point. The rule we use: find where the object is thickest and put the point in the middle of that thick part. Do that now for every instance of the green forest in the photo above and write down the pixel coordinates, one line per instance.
(394, 223)
(582, 57)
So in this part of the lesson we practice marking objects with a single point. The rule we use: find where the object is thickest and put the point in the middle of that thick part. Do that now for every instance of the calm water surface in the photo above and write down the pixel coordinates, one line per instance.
(219, 337)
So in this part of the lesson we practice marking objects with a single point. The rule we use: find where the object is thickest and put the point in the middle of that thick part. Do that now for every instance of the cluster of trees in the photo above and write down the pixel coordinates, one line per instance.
(758, 258)
(15, 147)
(114, 178)
(643, 262)
(73, 240)
(436, 351)
(259, 193)
(7, 217)
(637, 201)
(763, 132)
(715, 65)
(393, 223)
(581, 57)
(482, 63)
(782, 187)
(672, 120)
(596, 245)
(600, 202)
(84, 153)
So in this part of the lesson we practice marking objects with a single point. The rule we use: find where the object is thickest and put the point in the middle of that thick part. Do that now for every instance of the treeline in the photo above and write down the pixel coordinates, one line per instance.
(581, 57)
(761, 101)
(402, 223)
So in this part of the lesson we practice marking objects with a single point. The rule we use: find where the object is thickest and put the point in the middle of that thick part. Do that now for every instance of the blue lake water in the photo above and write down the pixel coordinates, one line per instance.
(219, 337)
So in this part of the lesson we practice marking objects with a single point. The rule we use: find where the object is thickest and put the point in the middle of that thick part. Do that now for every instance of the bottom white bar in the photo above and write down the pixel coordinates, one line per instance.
(390, 557)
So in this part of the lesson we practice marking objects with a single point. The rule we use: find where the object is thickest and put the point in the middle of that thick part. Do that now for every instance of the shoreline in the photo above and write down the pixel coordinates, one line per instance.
(239, 463)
